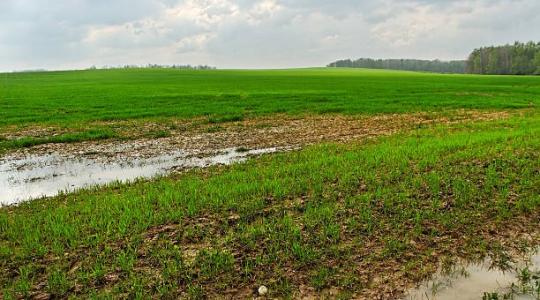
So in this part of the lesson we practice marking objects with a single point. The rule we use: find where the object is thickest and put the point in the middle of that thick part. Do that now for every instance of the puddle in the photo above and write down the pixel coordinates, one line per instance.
(36, 176)
(483, 281)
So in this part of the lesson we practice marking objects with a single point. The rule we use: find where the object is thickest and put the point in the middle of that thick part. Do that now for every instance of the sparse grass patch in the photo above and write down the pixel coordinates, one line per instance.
(57, 283)
(213, 129)
(89, 135)
(158, 134)
(225, 119)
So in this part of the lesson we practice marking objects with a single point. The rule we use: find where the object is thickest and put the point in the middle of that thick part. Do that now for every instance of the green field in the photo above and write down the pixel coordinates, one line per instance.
(367, 217)
(82, 104)
(82, 96)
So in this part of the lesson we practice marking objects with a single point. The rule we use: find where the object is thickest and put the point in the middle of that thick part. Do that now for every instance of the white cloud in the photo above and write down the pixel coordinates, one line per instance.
(193, 43)
(263, 10)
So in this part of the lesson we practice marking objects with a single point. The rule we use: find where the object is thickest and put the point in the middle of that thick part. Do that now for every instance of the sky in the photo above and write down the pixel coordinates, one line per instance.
(74, 34)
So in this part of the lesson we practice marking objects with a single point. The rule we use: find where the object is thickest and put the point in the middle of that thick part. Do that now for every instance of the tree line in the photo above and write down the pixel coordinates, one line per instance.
(436, 66)
(516, 59)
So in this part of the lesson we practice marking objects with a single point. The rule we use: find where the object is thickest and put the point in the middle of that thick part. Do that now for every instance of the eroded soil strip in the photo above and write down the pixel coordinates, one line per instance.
(46, 170)
(264, 132)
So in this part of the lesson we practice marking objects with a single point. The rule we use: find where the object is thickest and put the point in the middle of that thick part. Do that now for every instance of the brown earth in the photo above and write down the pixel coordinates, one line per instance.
(263, 132)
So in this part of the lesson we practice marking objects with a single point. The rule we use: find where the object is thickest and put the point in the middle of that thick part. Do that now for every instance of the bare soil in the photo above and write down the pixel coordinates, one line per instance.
(263, 132)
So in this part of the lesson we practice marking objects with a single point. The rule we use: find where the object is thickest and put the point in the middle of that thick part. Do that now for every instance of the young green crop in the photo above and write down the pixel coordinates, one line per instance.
(74, 97)
(329, 215)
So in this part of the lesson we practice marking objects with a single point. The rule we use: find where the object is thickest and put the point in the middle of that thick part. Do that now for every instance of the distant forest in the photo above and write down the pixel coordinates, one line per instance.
(436, 66)
(516, 59)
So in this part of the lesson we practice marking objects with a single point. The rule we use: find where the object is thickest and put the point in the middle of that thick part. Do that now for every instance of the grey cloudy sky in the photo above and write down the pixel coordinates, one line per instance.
(65, 34)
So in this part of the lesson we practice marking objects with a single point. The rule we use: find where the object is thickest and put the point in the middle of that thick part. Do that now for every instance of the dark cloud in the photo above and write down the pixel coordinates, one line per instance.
(252, 33)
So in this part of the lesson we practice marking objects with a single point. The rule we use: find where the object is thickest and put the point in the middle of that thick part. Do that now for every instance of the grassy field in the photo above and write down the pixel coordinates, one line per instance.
(73, 97)
(365, 218)
(88, 105)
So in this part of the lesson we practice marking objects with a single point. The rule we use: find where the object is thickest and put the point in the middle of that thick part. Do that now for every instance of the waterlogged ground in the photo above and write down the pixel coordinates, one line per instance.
(46, 175)
(517, 280)
(46, 169)
(151, 137)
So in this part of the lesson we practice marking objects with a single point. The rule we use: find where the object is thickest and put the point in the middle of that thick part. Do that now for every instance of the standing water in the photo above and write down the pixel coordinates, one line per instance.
(484, 281)
(36, 176)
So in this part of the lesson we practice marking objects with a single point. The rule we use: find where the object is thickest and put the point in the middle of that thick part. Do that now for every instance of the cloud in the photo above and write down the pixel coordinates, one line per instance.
(252, 33)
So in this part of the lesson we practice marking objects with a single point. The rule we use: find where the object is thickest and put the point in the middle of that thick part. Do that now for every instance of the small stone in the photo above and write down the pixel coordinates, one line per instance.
(262, 290)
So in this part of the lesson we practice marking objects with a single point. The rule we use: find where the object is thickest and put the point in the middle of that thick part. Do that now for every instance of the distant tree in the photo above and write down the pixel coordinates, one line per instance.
(494, 61)
(537, 63)
(436, 66)
(516, 59)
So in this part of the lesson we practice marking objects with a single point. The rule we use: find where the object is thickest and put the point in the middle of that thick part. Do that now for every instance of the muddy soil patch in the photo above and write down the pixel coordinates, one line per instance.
(263, 132)
(46, 170)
